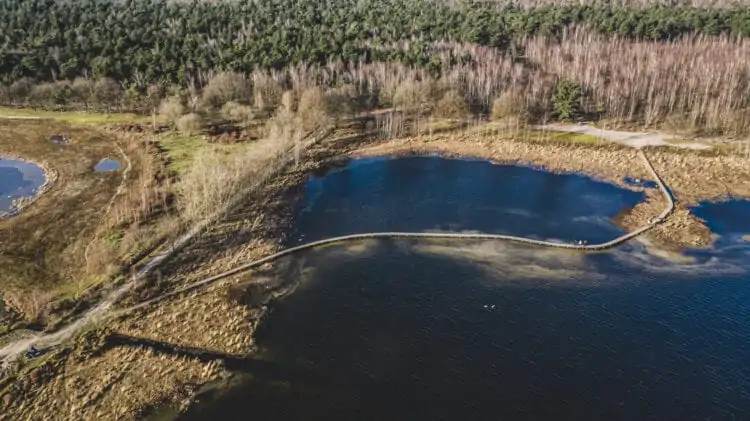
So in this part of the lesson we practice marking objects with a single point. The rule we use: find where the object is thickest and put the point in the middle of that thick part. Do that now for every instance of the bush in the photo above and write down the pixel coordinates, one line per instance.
(190, 123)
(171, 109)
(237, 113)
(83, 90)
(225, 87)
(451, 105)
(566, 101)
(266, 92)
(107, 92)
(287, 102)
(342, 101)
(311, 110)
(506, 105)
(41, 95)
(20, 90)
(412, 96)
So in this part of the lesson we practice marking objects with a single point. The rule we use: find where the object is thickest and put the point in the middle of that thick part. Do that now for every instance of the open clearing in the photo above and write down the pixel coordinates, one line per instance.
(632, 139)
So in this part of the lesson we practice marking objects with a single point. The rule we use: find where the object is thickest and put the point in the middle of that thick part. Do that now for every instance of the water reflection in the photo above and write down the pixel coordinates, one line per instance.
(493, 330)
(18, 179)
(420, 194)
(107, 164)
(395, 330)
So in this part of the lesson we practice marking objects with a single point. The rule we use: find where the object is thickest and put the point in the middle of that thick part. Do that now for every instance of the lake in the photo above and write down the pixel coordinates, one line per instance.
(488, 329)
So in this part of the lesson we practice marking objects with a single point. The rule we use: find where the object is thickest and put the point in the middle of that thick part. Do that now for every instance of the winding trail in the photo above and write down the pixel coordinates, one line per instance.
(432, 235)
(103, 310)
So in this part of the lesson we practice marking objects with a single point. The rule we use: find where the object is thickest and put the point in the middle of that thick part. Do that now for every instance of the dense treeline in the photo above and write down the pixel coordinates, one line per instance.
(528, 4)
(700, 84)
(143, 41)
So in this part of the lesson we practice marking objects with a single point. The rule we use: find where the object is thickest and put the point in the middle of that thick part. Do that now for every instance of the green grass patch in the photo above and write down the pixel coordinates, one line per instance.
(181, 149)
(75, 117)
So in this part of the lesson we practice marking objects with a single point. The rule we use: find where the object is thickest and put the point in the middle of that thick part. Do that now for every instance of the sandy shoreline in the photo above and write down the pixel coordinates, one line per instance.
(116, 384)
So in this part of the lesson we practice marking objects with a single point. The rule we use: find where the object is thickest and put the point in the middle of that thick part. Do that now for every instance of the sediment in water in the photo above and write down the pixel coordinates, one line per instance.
(209, 319)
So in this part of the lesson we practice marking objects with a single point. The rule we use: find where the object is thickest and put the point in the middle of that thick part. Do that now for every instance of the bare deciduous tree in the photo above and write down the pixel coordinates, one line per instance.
(154, 95)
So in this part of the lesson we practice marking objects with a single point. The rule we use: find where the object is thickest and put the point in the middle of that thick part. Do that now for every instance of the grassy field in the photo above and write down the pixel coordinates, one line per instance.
(42, 247)
(180, 149)
(79, 232)
(74, 117)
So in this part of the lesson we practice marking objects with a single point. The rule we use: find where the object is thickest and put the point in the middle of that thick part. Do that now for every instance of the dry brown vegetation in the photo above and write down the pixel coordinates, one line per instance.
(214, 179)
(699, 83)
(190, 123)
(86, 225)
(171, 109)
(238, 113)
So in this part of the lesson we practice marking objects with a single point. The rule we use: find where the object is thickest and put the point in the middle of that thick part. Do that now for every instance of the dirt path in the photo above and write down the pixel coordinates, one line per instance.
(42, 340)
(19, 117)
(103, 309)
(632, 139)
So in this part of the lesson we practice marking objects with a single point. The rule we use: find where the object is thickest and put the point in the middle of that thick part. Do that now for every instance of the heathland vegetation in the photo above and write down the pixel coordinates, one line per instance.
(206, 102)
(277, 71)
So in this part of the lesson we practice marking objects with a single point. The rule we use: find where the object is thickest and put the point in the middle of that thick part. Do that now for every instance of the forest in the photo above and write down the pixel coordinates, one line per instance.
(639, 61)
(146, 41)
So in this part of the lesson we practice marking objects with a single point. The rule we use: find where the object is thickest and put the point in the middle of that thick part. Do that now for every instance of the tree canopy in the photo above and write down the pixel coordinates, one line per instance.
(145, 41)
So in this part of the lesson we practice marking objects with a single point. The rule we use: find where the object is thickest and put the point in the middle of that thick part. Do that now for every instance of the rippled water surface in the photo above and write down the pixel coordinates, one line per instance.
(729, 217)
(492, 330)
(18, 179)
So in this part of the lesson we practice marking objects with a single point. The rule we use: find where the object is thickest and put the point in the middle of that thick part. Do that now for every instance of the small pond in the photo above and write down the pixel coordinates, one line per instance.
(107, 164)
(405, 330)
(18, 180)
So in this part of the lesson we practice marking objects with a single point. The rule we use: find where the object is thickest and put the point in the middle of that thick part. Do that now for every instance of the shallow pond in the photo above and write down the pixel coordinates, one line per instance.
(107, 164)
(18, 180)
(492, 330)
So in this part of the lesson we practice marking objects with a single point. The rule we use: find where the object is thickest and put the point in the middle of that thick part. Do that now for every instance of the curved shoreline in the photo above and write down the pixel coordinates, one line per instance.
(105, 311)
(50, 176)
(379, 235)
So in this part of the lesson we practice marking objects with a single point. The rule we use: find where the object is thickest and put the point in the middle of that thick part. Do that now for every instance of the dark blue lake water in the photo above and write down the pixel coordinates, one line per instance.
(729, 218)
(412, 330)
(18, 179)
(429, 193)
